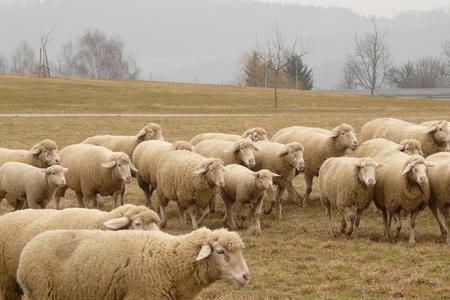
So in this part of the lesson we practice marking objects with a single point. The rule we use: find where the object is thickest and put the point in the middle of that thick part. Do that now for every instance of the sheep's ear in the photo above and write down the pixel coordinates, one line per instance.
(355, 164)
(109, 165)
(431, 128)
(334, 133)
(407, 168)
(275, 175)
(116, 224)
(284, 151)
(401, 148)
(36, 150)
(141, 134)
(46, 171)
(133, 168)
(204, 252)
(202, 170)
(235, 148)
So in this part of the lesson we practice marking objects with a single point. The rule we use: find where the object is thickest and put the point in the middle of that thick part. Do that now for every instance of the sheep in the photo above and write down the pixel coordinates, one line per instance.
(373, 147)
(243, 186)
(255, 134)
(320, 144)
(439, 177)
(127, 144)
(348, 184)
(23, 184)
(42, 155)
(433, 138)
(94, 170)
(189, 179)
(131, 265)
(285, 160)
(430, 123)
(402, 188)
(146, 157)
(18, 228)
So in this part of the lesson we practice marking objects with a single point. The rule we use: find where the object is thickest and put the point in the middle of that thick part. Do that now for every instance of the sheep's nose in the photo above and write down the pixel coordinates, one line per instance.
(128, 179)
(423, 179)
(221, 183)
(371, 182)
(57, 160)
(251, 162)
(244, 279)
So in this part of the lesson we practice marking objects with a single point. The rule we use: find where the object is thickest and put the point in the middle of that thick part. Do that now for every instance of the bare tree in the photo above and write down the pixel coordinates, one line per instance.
(430, 73)
(370, 59)
(3, 64)
(348, 80)
(23, 59)
(44, 40)
(446, 53)
(403, 76)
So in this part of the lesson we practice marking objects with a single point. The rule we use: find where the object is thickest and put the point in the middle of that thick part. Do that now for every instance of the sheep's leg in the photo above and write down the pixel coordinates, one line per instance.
(326, 203)
(281, 190)
(205, 213)
(444, 212)
(229, 215)
(32, 203)
(309, 183)
(80, 200)
(193, 215)
(212, 205)
(257, 215)
(122, 193)
(274, 198)
(92, 200)
(412, 224)
(343, 222)
(147, 189)
(349, 219)
(440, 219)
(357, 220)
(293, 194)
(387, 232)
(116, 196)
(398, 227)
(60, 192)
(181, 215)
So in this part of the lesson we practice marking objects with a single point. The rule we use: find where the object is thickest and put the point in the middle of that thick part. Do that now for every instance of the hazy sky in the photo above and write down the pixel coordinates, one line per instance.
(386, 8)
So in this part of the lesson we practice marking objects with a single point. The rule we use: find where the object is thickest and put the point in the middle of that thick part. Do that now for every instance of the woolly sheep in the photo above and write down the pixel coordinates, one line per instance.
(433, 138)
(320, 144)
(146, 157)
(42, 155)
(243, 186)
(255, 134)
(23, 184)
(18, 228)
(373, 147)
(131, 265)
(189, 179)
(285, 160)
(402, 188)
(94, 170)
(439, 177)
(127, 144)
(347, 183)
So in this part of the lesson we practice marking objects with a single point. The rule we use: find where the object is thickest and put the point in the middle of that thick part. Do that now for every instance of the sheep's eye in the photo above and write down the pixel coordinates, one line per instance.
(53, 173)
(220, 251)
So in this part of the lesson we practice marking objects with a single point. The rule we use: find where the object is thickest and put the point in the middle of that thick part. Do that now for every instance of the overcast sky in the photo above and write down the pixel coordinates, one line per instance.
(385, 8)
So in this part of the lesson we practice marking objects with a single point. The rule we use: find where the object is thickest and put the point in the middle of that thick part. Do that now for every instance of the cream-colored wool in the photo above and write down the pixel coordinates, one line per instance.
(128, 265)
(126, 144)
(94, 170)
(255, 134)
(22, 184)
(19, 227)
(190, 179)
(284, 160)
(433, 138)
(377, 146)
(146, 157)
(320, 144)
(41, 155)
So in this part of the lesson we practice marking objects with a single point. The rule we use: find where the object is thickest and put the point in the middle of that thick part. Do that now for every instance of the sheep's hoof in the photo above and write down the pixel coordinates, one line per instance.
(163, 224)
(256, 232)
(412, 241)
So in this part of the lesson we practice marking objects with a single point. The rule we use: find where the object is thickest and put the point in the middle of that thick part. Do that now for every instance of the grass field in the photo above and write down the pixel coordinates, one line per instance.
(295, 258)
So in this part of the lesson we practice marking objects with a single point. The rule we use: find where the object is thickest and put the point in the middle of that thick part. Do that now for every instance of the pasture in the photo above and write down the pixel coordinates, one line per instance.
(293, 259)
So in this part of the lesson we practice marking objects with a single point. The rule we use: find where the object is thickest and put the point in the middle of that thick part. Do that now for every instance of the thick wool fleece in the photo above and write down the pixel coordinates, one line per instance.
(25, 156)
(225, 150)
(374, 147)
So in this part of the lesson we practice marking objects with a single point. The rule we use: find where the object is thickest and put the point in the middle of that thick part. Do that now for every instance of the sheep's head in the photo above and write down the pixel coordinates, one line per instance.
(213, 169)
(264, 181)
(245, 150)
(121, 166)
(131, 217)
(55, 175)
(345, 137)
(181, 145)
(367, 170)
(440, 132)
(293, 153)
(151, 131)
(410, 147)
(416, 169)
(223, 252)
(47, 153)
(255, 134)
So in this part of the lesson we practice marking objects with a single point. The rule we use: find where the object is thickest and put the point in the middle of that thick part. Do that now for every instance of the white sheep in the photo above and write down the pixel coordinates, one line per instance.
(373, 147)
(348, 184)
(146, 157)
(319, 144)
(255, 134)
(42, 155)
(285, 160)
(189, 179)
(243, 186)
(22, 184)
(433, 138)
(19, 227)
(94, 170)
(130, 264)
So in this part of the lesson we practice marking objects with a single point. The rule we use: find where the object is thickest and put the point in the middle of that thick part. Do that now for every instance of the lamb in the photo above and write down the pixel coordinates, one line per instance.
(132, 265)
(146, 157)
(42, 155)
(18, 228)
(285, 160)
(402, 188)
(255, 134)
(94, 170)
(320, 144)
(439, 177)
(189, 179)
(23, 184)
(127, 144)
(243, 186)
(373, 147)
(348, 184)
(433, 138)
